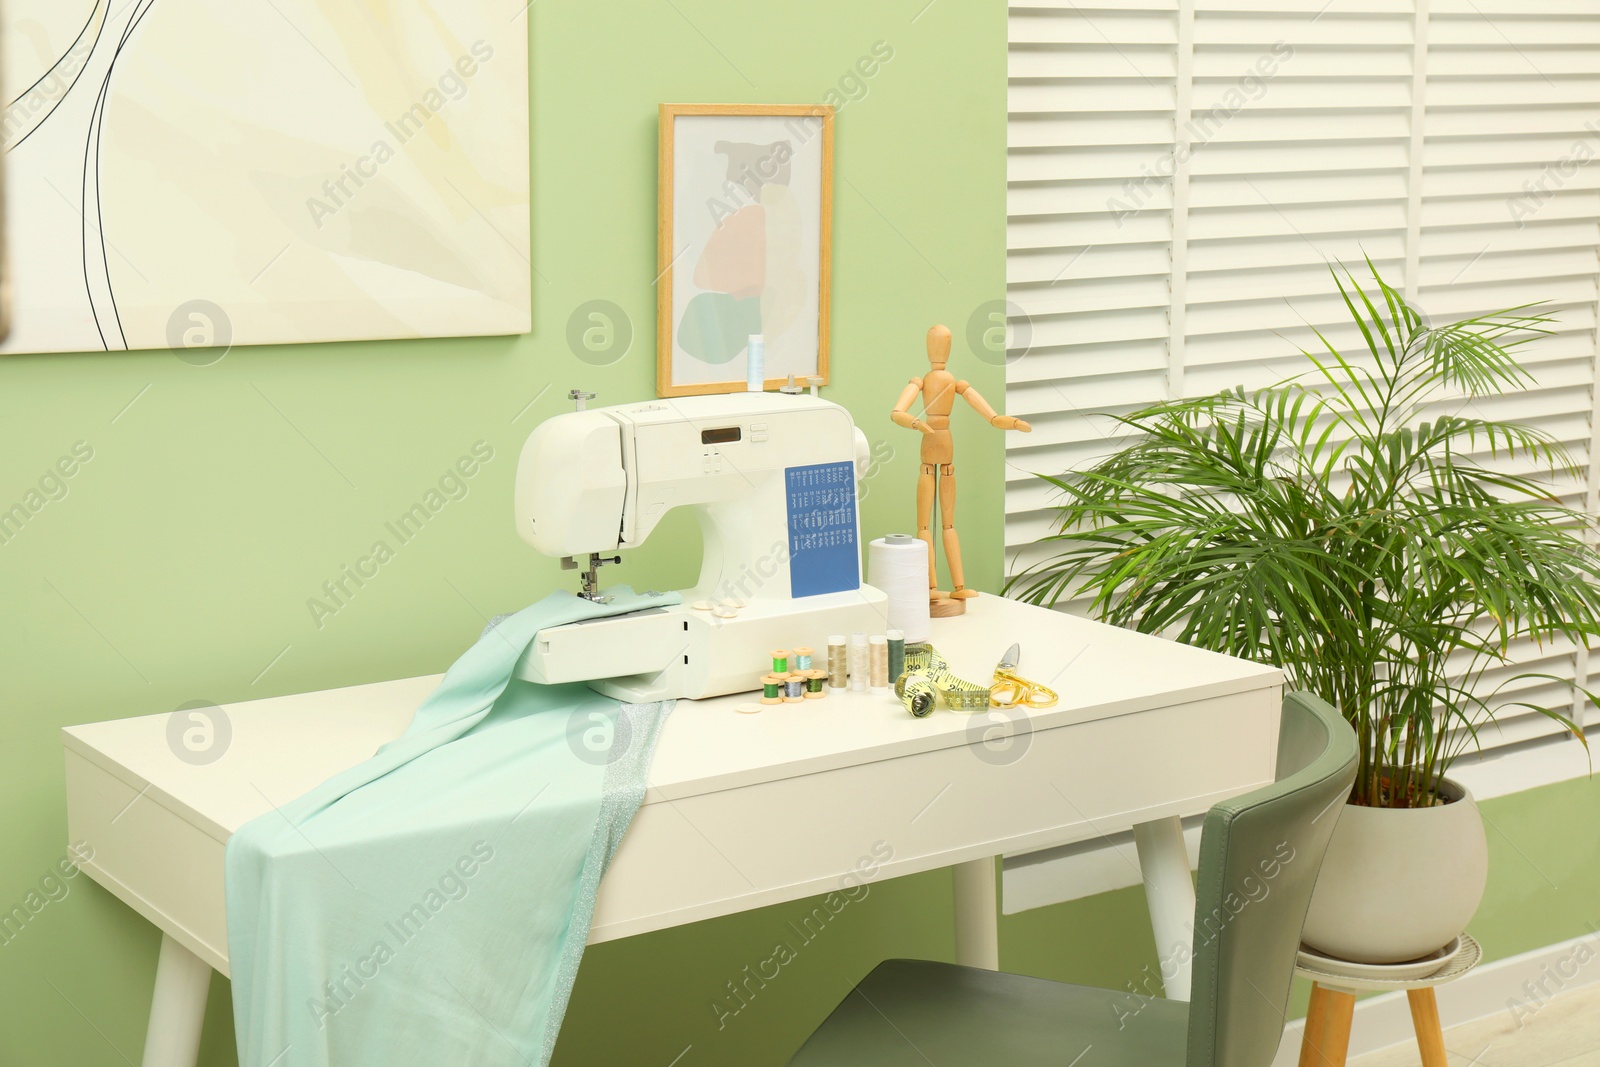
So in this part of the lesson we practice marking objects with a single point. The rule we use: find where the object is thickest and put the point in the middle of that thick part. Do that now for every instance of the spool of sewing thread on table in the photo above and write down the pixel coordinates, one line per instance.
(802, 658)
(897, 654)
(814, 684)
(771, 689)
(755, 375)
(794, 688)
(858, 662)
(878, 650)
(898, 565)
(780, 660)
(838, 662)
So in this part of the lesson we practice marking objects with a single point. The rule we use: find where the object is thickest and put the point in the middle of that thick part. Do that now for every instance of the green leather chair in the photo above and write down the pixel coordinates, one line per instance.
(1259, 857)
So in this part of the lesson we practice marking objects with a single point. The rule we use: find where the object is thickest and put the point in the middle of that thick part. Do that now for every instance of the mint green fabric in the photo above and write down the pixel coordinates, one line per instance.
(429, 906)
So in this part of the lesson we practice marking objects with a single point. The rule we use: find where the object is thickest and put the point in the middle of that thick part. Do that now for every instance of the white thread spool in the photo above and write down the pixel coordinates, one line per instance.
(858, 662)
(755, 375)
(898, 565)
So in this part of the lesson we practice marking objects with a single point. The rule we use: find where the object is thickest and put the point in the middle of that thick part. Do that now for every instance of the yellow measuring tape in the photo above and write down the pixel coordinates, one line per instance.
(926, 674)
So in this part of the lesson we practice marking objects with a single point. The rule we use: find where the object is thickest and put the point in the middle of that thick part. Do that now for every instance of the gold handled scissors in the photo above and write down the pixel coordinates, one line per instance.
(1010, 689)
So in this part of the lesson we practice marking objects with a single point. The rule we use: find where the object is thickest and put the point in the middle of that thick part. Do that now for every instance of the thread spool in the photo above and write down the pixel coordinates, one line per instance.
(898, 565)
(802, 658)
(814, 684)
(794, 688)
(780, 661)
(858, 662)
(878, 649)
(755, 375)
(838, 662)
(897, 654)
(771, 689)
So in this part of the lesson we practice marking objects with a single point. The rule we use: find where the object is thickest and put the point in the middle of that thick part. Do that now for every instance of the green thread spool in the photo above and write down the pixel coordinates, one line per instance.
(897, 654)
(916, 694)
(771, 689)
(814, 681)
(780, 661)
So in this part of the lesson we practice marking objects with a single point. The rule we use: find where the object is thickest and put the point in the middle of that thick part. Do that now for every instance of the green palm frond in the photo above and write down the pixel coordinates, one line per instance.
(1358, 525)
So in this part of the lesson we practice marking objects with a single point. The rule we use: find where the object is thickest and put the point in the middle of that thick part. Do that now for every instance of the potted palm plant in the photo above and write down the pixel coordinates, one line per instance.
(1365, 528)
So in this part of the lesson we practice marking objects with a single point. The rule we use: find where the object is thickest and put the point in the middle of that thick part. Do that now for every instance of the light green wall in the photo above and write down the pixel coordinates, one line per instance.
(179, 564)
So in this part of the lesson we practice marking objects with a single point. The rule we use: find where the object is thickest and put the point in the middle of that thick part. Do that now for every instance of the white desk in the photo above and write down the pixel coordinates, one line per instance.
(742, 810)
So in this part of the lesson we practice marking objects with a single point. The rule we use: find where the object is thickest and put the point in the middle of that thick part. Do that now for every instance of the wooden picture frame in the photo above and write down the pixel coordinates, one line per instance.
(744, 201)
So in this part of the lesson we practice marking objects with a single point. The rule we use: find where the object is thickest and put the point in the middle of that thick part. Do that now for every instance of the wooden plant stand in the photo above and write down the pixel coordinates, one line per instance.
(1333, 1001)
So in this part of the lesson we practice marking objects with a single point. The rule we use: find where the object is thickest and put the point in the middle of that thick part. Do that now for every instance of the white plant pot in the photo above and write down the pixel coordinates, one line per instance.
(1399, 883)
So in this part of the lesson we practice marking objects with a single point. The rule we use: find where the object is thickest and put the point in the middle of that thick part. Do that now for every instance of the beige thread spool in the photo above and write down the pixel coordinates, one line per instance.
(838, 662)
(878, 647)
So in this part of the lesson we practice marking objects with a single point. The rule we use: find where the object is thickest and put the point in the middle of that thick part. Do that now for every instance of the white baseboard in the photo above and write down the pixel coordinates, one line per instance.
(1517, 985)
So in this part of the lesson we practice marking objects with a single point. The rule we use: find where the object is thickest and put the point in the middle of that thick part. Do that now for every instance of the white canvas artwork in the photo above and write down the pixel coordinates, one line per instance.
(187, 172)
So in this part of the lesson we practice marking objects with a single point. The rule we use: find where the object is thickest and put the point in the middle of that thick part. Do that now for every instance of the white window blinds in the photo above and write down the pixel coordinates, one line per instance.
(1181, 173)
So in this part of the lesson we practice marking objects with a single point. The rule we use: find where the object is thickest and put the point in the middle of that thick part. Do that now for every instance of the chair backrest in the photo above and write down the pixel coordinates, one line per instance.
(1259, 858)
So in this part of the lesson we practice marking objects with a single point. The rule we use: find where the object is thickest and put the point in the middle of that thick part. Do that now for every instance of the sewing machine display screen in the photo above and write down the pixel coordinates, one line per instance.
(725, 435)
(823, 554)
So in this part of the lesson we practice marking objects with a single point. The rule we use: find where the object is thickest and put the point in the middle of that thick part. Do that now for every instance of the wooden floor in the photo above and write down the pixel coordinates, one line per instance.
(1564, 1033)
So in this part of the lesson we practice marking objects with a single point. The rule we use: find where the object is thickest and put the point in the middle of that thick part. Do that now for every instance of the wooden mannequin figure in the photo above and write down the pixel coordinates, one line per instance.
(939, 390)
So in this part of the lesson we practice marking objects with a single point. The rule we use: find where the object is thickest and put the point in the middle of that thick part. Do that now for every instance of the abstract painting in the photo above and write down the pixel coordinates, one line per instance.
(745, 215)
(186, 173)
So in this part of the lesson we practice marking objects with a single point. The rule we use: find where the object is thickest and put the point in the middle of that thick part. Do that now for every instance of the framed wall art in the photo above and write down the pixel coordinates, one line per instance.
(745, 219)
(265, 171)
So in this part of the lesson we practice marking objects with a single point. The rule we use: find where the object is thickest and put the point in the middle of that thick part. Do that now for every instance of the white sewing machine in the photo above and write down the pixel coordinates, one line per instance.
(772, 478)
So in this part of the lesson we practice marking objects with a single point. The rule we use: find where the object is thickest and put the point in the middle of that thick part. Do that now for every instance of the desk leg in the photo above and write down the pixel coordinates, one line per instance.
(178, 1008)
(977, 915)
(1169, 892)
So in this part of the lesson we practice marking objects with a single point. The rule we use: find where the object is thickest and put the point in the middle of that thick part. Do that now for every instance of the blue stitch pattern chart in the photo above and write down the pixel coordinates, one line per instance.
(823, 554)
